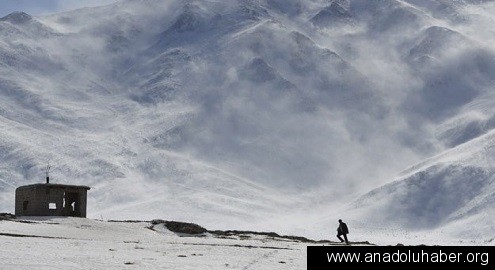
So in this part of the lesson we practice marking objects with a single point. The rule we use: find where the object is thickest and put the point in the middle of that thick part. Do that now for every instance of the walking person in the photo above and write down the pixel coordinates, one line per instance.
(342, 230)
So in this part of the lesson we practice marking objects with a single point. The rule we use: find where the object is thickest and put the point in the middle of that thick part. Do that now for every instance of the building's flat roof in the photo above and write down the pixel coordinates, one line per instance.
(53, 186)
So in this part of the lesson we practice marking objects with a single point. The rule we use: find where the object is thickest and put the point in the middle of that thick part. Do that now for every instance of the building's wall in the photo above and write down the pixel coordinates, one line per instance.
(84, 202)
(22, 195)
(39, 198)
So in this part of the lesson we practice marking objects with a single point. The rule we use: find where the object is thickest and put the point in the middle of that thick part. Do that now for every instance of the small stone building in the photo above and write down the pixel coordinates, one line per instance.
(51, 200)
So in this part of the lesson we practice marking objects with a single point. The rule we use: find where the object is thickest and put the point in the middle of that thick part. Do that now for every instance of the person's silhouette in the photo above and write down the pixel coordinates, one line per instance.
(342, 230)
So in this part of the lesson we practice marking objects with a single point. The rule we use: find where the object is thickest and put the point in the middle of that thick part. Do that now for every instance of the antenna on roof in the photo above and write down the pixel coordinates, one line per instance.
(47, 171)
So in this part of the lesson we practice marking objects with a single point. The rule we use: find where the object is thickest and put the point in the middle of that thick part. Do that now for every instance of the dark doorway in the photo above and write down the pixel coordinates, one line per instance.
(72, 207)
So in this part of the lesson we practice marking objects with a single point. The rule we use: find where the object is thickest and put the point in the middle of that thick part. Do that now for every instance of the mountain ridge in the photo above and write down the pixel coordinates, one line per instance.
(169, 102)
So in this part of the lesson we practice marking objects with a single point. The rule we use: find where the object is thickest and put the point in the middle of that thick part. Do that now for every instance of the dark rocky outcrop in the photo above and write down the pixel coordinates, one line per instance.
(180, 227)
(6, 216)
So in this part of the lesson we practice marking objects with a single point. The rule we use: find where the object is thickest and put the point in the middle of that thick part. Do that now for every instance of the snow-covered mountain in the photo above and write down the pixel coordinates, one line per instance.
(245, 112)
(454, 189)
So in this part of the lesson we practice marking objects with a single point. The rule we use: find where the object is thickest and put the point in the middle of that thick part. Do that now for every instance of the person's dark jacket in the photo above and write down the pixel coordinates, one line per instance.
(343, 228)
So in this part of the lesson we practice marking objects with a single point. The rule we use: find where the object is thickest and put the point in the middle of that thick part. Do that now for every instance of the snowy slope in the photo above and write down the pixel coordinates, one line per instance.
(252, 113)
(452, 192)
(91, 244)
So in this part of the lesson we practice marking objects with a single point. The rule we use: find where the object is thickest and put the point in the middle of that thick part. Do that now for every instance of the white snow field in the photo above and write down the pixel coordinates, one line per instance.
(77, 243)
(262, 115)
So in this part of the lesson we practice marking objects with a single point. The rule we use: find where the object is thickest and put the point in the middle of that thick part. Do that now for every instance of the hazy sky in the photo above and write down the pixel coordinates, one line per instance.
(38, 7)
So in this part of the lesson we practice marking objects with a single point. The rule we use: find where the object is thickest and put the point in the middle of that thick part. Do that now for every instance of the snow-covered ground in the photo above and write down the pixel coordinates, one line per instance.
(77, 243)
